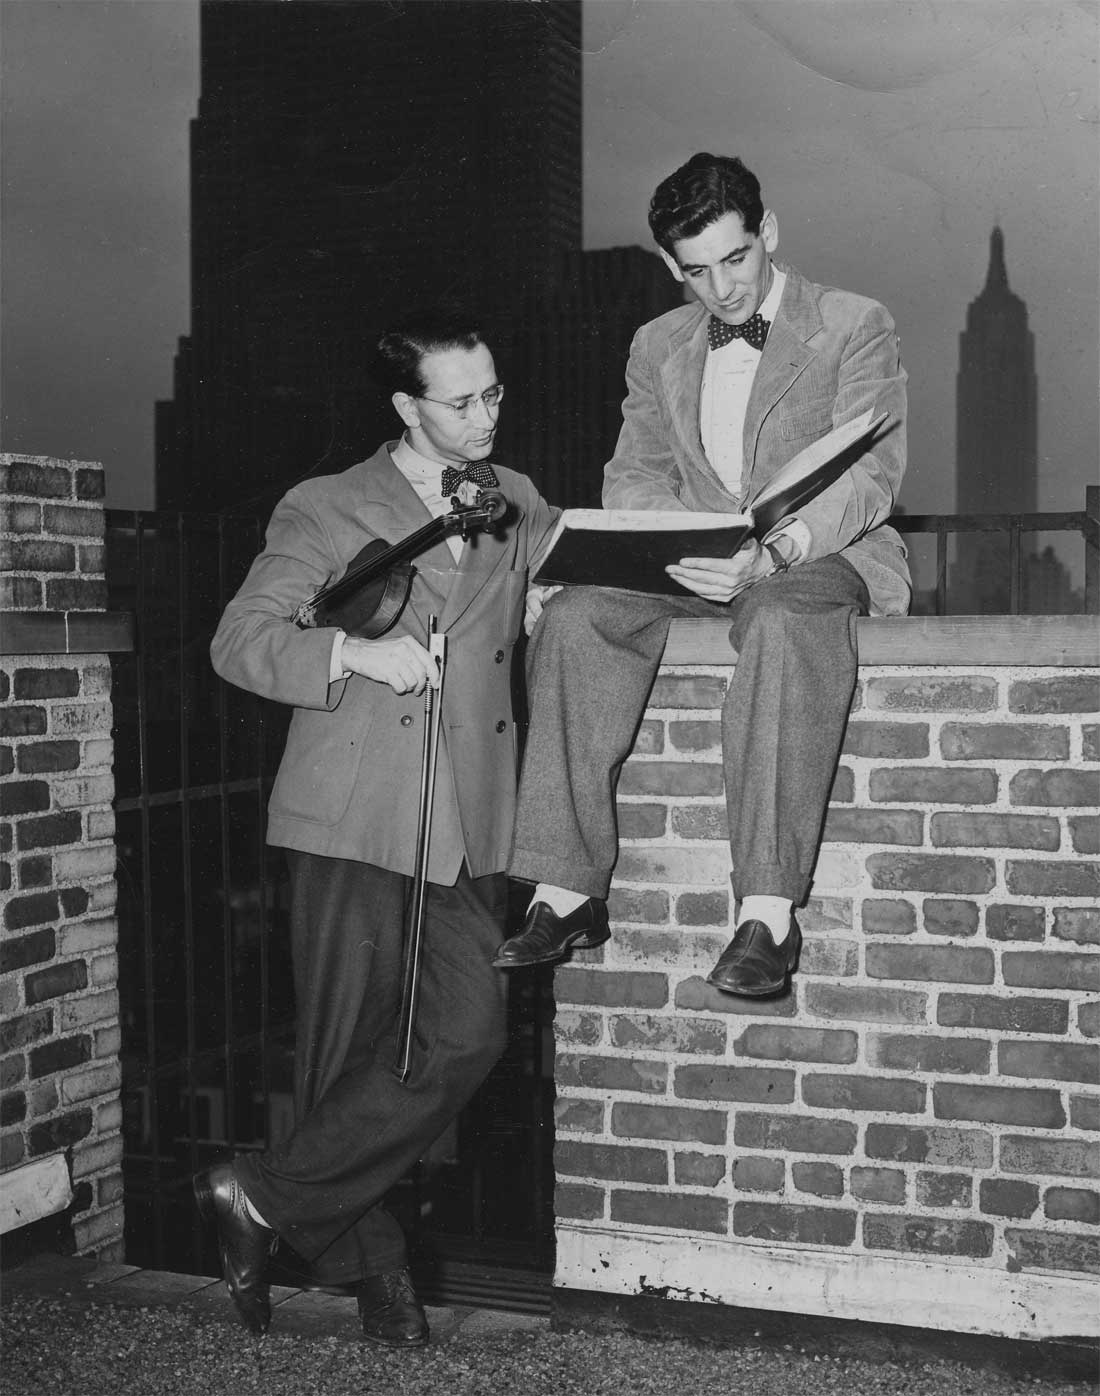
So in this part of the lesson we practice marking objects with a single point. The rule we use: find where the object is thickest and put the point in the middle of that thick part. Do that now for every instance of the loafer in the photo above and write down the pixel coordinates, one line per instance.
(243, 1244)
(753, 965)
(546, 936)
(390, 1312)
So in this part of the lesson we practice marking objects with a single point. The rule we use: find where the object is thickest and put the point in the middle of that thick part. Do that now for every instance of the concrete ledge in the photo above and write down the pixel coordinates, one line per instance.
(1036, 641)
(946, 1296)
(66, 632)
(32, 1191)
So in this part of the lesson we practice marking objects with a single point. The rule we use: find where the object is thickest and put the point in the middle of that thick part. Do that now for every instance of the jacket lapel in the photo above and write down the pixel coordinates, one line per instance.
(786, 354)
(482, 554)
(682, 376)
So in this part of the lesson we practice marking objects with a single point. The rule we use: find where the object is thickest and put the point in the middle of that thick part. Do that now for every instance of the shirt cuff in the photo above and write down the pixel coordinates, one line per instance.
(336, 670)
(798, 538)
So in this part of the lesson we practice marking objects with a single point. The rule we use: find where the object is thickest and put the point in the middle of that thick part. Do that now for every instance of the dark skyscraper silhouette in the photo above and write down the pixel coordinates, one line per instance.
(996, 399)
(997, 430)
(348, 161)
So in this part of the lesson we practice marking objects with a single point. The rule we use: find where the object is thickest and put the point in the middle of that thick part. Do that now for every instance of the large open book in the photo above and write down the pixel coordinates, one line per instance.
(630, 548)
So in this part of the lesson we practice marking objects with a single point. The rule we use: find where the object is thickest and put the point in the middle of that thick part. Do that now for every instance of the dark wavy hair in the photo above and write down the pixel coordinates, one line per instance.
(699, 193)
(401, 349)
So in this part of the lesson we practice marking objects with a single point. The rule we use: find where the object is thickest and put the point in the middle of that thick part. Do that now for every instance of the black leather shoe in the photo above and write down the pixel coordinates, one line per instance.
(546, 936)
(244, 1245)
(390, 1311)
(753, 965)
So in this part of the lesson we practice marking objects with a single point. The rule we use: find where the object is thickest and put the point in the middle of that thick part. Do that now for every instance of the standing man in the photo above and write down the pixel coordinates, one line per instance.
(720, 394)
(344, 805)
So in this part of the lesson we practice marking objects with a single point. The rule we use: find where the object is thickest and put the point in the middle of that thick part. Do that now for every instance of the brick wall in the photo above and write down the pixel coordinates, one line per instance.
(911, 1135)
(59, 1038)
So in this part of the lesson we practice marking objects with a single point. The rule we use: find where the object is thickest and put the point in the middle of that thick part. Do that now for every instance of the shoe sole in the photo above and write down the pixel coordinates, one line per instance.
(396, 1342)
(757, 991)
(580, 941)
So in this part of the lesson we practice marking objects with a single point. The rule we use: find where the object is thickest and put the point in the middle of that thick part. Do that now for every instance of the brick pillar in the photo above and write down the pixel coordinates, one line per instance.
(60, 1110)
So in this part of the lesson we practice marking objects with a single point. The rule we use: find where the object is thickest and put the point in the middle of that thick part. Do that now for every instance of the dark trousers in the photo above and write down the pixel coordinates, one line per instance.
(358, 1129)
(592, 662)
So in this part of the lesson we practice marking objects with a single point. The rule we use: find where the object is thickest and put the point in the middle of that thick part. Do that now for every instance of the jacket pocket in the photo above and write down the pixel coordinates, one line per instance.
(515, 598)
(320, 766)
(813, 420)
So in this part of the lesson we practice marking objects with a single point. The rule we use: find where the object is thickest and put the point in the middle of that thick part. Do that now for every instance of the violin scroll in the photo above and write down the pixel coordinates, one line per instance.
(493, 503)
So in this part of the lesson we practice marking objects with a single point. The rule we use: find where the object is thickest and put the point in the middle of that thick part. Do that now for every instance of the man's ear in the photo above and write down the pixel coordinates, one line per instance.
(769, 231)
(406, 408)
(672, 264)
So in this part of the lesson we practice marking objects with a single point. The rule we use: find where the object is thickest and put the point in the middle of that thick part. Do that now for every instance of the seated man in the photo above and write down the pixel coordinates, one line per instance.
(345, 806)
(720, 394)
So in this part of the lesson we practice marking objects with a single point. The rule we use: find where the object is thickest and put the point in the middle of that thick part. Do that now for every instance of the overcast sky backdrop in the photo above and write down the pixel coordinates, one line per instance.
(890, 135)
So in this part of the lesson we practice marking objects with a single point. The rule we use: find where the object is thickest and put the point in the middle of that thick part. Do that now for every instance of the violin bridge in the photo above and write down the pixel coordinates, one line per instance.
(305, 616)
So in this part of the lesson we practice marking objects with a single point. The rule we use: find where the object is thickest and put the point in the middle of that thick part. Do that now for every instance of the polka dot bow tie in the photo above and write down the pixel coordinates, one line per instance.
(480, 472)
(754, 331)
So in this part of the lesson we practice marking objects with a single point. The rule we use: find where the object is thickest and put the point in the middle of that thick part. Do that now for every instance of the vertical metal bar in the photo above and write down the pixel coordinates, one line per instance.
(228, 1027)
(264, 908)
(148, 947)
(941, 566)
(186, 870)
(1015, 567)
(1091, 537)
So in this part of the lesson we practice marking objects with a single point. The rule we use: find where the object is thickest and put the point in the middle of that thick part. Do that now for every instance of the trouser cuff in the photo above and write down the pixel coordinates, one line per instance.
(537, 867)
(770, 880)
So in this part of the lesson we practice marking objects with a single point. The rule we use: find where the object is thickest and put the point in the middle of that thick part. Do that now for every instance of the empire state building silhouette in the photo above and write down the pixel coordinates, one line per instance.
(997, 429)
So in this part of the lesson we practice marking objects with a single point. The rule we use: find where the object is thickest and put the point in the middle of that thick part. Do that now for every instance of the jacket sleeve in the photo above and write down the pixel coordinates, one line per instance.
(540, 519)
(869, 375)
(642, 474)
(256, 645)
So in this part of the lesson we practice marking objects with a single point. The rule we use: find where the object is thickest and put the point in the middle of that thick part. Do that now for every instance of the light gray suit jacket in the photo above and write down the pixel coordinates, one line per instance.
(830, 355)
(349, 782)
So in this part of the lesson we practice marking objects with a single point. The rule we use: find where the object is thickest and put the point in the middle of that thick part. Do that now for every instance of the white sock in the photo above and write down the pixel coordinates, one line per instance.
(775, 912)
(256, 1217)
(560, 900)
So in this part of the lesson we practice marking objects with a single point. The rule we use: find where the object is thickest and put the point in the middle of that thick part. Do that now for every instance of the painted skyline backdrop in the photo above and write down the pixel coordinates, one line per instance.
(890, 139)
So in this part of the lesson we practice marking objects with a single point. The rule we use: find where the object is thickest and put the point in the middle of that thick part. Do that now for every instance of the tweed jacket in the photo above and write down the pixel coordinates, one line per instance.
(348, 785)
(829, 356)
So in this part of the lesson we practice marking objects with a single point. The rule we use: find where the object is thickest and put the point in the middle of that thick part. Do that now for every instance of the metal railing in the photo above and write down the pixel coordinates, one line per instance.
(1012, 530)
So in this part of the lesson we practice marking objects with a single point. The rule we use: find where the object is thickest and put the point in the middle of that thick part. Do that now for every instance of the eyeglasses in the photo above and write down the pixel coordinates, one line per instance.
(489, 398)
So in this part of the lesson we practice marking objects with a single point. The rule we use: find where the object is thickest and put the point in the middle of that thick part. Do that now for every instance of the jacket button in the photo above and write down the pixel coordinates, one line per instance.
(406, 721)
(501, 726)
(498, 658)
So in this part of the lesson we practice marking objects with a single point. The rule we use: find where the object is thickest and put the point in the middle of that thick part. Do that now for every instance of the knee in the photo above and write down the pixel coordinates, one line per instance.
(566, 620)
(764, 612)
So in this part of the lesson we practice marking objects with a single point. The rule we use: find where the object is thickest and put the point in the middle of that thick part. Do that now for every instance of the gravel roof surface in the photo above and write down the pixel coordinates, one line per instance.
(55, 1348)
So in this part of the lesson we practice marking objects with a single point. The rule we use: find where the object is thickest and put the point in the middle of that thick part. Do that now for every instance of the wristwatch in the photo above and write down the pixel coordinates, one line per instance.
(779, 562)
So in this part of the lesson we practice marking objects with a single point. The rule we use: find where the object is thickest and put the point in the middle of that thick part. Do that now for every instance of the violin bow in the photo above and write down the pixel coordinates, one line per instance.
(414, 936)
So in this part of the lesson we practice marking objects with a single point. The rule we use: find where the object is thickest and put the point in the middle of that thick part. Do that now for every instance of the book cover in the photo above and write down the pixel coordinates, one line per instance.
(814, 469)
(630, 548)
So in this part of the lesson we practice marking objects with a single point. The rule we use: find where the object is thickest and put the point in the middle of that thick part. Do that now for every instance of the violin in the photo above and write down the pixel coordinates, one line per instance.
(372, 593)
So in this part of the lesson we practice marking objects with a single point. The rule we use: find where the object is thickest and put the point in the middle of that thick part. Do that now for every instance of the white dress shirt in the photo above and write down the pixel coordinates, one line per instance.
(728, 375)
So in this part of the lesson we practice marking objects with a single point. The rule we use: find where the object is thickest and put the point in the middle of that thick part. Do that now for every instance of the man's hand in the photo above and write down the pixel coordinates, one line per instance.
(722, 578)
(537, 598)
(403, 663)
